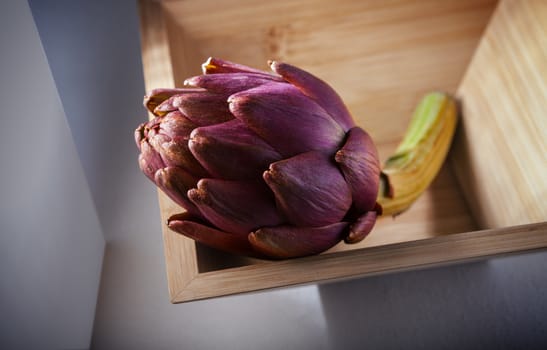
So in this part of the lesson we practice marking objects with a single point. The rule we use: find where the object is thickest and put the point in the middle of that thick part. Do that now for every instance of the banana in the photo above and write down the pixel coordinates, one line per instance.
(420, 155)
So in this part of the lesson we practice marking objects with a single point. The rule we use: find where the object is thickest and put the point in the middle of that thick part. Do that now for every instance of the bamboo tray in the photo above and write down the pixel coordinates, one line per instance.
(489, 199)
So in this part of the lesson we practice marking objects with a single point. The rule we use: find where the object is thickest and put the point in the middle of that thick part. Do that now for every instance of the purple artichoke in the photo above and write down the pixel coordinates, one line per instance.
(266, 165)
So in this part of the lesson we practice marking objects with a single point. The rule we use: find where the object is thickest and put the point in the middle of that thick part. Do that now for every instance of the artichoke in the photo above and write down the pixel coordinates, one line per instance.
(265, 165)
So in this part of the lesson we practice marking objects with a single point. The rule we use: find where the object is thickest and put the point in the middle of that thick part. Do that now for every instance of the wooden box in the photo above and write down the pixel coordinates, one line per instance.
(489, 199)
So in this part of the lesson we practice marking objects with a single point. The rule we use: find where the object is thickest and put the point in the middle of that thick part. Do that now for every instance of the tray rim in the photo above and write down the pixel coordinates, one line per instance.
(419, 254)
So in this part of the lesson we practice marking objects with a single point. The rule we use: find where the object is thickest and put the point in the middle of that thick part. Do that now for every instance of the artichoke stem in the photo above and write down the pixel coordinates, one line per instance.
(420, 155)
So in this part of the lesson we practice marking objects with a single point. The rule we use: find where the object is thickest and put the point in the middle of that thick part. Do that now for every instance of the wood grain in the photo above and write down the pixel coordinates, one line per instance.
(381, 56)
(500, 156)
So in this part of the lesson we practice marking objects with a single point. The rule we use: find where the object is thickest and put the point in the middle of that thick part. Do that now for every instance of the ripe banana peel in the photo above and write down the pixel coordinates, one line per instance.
(420, 155)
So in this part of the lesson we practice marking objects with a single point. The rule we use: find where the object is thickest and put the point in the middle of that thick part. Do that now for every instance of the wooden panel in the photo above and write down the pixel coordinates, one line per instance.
(156, 53)
(381, 56)
(501, 151)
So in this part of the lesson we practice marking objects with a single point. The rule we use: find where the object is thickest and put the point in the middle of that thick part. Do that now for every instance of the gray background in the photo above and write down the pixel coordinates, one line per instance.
(70, 178)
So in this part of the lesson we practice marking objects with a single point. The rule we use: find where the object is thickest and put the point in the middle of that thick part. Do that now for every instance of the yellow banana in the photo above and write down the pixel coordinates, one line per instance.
(420, 155)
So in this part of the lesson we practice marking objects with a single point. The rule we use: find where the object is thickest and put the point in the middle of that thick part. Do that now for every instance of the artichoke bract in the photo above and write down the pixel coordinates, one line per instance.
(265, 165)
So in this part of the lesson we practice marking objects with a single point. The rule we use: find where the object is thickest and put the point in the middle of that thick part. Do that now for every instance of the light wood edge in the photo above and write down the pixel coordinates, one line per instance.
(365, 262)
(501, 137)
(155, 46)
(158, 72)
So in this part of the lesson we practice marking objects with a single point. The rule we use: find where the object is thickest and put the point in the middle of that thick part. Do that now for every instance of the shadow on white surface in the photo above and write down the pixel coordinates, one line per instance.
(496, 304)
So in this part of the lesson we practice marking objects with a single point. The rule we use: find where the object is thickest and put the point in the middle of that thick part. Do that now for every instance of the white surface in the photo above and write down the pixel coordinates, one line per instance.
(51, 245)
(91, 48)
(93, 51)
